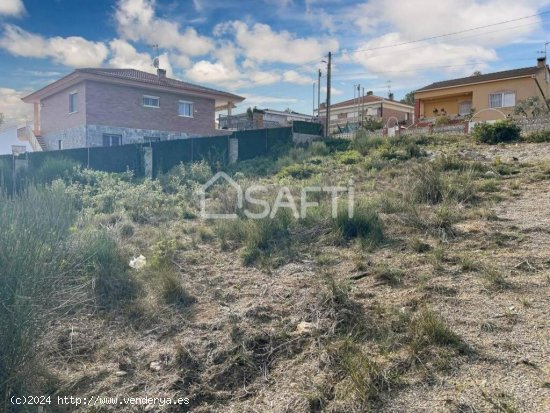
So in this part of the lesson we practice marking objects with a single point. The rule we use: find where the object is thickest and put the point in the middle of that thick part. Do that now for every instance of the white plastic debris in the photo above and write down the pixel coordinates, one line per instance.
(138, 262)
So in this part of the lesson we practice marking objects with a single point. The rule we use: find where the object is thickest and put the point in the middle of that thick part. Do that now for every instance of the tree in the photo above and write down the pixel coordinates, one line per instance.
(477, 73)
(1, 118)
(532, 107)
(409, 98)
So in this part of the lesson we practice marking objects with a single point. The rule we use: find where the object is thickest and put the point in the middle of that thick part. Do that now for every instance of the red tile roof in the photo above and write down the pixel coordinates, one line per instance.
(153, 79)
(506, 74)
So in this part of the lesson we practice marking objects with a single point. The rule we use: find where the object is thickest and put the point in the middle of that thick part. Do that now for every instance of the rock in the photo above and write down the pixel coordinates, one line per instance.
(491, 174)
(155, 366)
(138, 262)
(120, 373)
(304, 328)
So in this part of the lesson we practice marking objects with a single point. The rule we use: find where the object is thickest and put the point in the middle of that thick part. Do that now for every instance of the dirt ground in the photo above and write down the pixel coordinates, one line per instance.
(240, 348)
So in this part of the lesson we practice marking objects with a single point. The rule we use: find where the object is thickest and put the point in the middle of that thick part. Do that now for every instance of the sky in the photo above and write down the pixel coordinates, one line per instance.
(268, 51)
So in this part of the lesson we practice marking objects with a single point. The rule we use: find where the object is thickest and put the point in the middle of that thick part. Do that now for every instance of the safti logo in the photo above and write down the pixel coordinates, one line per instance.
(283, 199)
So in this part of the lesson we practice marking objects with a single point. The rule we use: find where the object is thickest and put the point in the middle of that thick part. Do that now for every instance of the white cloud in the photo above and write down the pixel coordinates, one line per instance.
(71, 51)
(333, 92)
(124, 55)
(216, 73)
(12, 7)
(261, 44)
(260, 100)
(136, 21)
(12, 106)
(439, 56)
(292, 76)
(406, 21)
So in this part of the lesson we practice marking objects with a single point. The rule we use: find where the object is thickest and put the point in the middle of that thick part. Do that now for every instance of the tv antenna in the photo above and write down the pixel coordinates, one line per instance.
(156, 60)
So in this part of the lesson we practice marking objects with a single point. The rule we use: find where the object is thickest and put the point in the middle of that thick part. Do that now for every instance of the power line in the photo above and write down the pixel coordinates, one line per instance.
(423, 68)
(432, 37)
(459, 38)
(451, 34)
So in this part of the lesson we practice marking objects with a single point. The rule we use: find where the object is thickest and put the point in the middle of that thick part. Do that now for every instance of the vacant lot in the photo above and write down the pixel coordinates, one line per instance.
(434, 297)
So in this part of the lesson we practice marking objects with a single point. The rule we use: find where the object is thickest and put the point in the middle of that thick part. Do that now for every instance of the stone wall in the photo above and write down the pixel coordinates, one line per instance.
(70, 138)
(129, 135)
(534, 125)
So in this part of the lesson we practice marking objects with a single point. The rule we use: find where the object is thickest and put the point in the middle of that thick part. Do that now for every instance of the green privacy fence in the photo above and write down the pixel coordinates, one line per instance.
(307, 128)
(166, 154)
(108, 159)
(261, 142)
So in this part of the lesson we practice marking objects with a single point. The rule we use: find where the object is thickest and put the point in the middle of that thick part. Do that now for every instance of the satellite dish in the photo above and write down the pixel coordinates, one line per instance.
(156, 62)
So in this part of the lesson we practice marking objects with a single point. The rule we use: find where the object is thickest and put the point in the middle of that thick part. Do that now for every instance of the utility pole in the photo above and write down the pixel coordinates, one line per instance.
(329, 64)
(363, 108)
(313, 105)
(319, 93)
(358, 101)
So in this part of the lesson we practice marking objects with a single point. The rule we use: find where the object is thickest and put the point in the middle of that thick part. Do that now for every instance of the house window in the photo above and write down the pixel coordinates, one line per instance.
(151, 101)
(185, 109)
(112, 140)
(149, 139)
(465, 108)
(73, 102)
(502, 100)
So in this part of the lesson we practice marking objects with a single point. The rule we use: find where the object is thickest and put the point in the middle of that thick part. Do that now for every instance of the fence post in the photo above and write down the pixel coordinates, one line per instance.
(148, 161)
(233, 150)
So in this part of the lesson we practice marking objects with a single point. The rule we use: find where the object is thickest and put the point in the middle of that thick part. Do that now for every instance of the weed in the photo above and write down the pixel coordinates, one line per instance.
(389, 275)
(419, 246)
(495, 278)
(172, 290)
(428, 329)
(365, 223)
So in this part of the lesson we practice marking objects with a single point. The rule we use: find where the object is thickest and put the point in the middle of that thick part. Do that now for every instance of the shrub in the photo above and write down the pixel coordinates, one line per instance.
(349, 157)
(54, 168)
(298, 171)
(318, 148)
(337, 144)
(364, 223)
(363, 142)
(502, 131)
(537, 137)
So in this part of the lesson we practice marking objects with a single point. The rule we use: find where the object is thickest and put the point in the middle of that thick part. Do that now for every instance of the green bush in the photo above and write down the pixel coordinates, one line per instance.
(499, 132)
(318, 148)
(364, 142)
(337, 144)
(349, 157)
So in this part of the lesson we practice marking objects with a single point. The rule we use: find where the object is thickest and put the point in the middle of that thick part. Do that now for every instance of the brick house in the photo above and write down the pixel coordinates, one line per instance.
(489, 96)
(109, 107)
(388, 110)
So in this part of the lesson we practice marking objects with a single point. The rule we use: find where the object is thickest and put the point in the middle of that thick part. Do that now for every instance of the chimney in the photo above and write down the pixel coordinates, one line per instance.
(541, 62)
(161, 73)
(369, 93)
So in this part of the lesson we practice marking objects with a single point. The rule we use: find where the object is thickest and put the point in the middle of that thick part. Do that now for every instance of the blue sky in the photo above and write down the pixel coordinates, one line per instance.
(268, 50)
